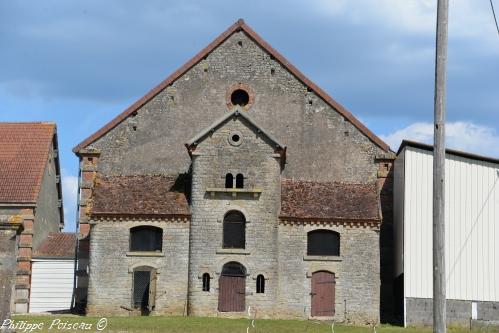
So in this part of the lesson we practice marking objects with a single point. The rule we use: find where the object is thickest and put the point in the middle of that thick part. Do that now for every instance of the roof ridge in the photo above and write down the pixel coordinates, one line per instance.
(237, 26)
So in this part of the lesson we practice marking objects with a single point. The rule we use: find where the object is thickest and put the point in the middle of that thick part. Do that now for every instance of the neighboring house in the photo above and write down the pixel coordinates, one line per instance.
(236, 183)
(30, 205)
(471, 233)
(53, 274)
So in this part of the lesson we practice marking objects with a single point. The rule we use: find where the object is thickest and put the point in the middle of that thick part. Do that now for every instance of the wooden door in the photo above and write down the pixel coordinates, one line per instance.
(231, 294)
(323, 290)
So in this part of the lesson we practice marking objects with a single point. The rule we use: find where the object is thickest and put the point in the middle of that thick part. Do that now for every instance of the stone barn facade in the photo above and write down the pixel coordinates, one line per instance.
(234, 183)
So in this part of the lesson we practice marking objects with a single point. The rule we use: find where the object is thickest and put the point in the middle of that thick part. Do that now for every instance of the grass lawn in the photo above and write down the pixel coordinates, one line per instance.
(211, 325)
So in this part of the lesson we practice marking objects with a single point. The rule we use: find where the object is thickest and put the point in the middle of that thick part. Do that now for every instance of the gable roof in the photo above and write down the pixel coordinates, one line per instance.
(328, 201)
(61, 245)
(24, 152)
(240, 25)
(424, 146)
(148, 196)
(222, 120)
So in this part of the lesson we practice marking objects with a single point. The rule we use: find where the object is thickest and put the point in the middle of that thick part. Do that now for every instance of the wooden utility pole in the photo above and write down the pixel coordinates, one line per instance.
(439, 285)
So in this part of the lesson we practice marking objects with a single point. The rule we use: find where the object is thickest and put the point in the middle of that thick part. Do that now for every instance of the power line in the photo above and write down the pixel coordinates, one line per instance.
(494, 14)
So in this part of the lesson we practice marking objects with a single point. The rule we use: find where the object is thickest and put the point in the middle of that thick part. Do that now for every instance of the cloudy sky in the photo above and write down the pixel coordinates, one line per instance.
(80, 63)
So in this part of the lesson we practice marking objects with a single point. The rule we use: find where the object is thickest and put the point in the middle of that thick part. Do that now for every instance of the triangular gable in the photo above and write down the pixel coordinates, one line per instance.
(192, 143)
(238, 26)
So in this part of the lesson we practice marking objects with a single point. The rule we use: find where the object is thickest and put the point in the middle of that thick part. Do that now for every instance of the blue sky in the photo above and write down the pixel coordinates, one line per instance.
(80, 63)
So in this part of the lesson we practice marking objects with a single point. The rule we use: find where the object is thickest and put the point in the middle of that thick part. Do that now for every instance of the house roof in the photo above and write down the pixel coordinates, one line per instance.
(60, 245)
(408, 143)
(240, 25)
(150, 196)
(309, 200)
(24, 152)
(234, 114)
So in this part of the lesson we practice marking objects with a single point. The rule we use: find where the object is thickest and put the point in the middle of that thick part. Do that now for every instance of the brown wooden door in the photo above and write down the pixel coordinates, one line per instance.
(323, 289)
(231, 294)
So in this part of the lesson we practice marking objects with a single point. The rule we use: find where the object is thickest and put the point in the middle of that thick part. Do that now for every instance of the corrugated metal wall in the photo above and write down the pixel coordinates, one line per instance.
(51, 285)
(472, 227)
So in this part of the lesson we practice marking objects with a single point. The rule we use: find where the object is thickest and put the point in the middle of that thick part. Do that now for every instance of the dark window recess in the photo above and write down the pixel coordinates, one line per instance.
(239, 181)
(236, 138)
(141, 283)
(233, 269)
(146, 238)
(239, 97)
(260, 284)
(234, 231)
(323, 243)
(206, 282)
(229, 180)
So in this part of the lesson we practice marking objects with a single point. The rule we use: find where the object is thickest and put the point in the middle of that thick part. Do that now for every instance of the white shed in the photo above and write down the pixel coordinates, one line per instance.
(471, 227)
(53, 273)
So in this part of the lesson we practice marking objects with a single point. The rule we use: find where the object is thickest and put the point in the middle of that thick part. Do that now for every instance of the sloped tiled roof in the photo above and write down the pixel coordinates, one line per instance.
(329, 201)
(24, 149)
(240, 25)
(57, 245)
(141, 195)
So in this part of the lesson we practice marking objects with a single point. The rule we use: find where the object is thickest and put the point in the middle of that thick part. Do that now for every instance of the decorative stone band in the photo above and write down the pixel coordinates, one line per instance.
(179, 218)
(353, 223)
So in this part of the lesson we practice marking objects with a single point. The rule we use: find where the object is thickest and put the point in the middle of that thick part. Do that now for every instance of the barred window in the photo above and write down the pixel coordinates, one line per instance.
(146, 238)
(234, 230)
(323, 243)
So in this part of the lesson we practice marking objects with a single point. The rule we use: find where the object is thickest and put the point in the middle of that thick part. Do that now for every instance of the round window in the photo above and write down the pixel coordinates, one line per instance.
(239, 95)
(235, 138)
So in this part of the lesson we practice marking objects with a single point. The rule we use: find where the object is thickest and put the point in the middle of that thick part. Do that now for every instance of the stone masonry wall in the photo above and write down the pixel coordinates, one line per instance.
(322, 146)
(47, 218)
(256, 160)
(356, 270)
(8, 262)
(111, 267)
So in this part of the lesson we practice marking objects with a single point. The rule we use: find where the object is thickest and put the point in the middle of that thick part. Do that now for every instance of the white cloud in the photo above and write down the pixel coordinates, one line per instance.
(460, 135)
(467, 18)
(70, 194)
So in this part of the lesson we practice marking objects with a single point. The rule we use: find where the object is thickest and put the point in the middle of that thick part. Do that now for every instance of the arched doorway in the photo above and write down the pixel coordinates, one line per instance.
(323, 294)
(232, 288)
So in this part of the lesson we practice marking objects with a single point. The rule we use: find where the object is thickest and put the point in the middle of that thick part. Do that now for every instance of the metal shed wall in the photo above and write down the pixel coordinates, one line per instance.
(472, 226)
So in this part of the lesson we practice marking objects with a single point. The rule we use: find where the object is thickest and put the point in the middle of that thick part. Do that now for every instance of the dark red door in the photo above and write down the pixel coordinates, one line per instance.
(231, 294)
(323, 289)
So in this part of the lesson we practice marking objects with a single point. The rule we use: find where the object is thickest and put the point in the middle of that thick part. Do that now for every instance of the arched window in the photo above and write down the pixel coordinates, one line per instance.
(146, 238)
(206, 282)
(323, 243)
(229, 180)
(239, 181)
(234, 230)
(260, 284)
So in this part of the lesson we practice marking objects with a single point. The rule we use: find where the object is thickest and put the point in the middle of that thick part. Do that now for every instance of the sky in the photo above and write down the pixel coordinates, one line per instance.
(81, 63)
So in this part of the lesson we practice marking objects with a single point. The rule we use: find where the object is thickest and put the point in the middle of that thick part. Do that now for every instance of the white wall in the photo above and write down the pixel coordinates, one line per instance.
(472, 226)
(51, 285)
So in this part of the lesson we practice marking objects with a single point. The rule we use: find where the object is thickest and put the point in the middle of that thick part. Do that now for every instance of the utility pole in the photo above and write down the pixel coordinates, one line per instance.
(439, 285)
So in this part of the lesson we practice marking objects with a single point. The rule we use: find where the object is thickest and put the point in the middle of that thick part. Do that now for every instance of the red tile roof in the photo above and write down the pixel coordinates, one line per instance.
(238, 26)
(329, 201)
(141, 195)
(24, 149)
(57, 245)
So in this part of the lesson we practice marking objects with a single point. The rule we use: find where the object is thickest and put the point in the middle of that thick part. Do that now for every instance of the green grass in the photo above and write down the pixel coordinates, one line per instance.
(215, 325)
